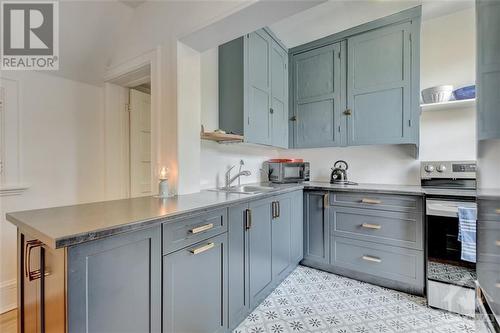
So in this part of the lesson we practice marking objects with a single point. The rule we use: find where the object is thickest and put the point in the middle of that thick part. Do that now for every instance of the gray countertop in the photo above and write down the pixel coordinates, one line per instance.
(65, 226)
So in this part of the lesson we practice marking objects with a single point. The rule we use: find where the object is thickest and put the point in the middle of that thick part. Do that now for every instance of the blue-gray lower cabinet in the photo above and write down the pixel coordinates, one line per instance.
(265, 245)
(114, 284)
(194, 288)
(260, 249)
(238, 277)
(316, 227)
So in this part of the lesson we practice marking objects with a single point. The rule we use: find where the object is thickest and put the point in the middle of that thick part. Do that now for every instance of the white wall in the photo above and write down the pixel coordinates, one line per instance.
(62, 155)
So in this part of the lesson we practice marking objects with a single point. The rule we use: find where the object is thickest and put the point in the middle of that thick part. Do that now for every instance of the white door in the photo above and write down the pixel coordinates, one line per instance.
(140, 144)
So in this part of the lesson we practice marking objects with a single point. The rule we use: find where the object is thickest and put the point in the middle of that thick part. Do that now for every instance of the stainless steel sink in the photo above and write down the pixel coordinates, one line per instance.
(245, 189)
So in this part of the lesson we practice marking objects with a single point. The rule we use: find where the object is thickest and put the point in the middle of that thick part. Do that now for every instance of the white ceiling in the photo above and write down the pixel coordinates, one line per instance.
(335, 16)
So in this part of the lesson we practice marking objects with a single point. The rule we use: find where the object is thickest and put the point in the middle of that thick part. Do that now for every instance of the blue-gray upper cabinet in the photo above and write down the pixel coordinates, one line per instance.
(253, 89)
(317, 97)
(380, 92)
(316, 227)
(195, 288)
(114, 284)
(488, 69)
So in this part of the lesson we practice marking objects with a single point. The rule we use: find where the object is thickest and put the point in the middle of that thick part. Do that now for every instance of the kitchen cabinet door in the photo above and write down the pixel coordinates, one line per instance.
(114, 284)
(317, 97)
(488, 69)
(260, 250)
(194, 288)
(279, 95)
(297, 227)
(379, 87)
(238, 279)
(257, 73)
(316, 227)
(281, 235)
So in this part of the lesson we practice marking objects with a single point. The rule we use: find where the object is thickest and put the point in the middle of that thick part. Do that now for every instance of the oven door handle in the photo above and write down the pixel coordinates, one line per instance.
(444, 208)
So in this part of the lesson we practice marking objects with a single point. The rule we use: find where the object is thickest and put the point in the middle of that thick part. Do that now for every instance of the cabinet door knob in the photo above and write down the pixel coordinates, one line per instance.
(271, 110)
(348, 112)
(293, 118)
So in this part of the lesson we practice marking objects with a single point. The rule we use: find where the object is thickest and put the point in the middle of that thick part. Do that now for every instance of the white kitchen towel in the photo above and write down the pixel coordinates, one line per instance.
(467, 217)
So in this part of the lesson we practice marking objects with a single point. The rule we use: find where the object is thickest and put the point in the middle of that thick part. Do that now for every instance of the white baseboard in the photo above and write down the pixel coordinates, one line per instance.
(8, 295)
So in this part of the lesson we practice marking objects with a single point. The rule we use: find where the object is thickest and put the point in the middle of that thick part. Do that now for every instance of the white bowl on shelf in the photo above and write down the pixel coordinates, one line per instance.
(438, 94)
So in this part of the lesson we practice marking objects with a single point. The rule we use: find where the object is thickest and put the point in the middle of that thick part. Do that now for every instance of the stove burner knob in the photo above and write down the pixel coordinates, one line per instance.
(429, 168)
(441, 168)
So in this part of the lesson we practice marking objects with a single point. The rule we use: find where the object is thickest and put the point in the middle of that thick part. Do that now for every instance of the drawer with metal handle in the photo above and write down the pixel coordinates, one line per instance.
(489, 209)
(389, 262)
(390, 228)
(185, 232)
(391, 202)
(488, 241)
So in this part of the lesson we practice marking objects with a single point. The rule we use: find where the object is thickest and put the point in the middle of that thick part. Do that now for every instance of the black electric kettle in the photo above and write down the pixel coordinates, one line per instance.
(339, 173)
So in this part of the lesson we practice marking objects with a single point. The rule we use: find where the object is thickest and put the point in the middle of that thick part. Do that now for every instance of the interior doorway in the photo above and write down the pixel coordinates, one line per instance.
(130, 161)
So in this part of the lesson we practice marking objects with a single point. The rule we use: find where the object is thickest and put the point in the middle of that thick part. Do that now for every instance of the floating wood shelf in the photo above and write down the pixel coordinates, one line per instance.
(460, 104)
(220, 137)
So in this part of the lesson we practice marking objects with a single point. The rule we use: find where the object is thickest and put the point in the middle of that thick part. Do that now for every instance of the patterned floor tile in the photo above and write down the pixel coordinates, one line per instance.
(310, 300)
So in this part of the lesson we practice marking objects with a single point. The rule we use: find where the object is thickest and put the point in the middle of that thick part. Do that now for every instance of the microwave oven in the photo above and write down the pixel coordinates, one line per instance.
(288, 172)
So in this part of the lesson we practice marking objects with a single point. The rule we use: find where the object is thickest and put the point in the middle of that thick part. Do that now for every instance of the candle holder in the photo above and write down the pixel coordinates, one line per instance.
(163, 184)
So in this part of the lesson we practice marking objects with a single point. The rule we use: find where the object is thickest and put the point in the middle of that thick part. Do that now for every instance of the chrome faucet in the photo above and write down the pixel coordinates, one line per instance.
(230, 180)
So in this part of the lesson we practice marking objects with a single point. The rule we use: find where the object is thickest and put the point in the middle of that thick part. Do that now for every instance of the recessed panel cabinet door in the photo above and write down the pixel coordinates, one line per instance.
(114, 284)
(260, 250)
(316, 227)
(258, 122)
(281, 234)
(194, 284)
(488, 68)
(378, 86)
(317, 97)
(279, 96)
(297, 220)
(239, 302)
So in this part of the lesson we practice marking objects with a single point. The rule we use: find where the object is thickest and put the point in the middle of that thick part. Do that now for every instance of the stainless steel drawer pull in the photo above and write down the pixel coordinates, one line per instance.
(372, 259)
(202, 228)
(497, 243)
(203, 248)
(371, 226)
(497, 211)
(371, 201)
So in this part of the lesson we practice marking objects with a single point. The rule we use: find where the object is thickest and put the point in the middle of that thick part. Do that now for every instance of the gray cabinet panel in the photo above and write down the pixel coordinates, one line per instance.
(488, 69)
(488, 241)
(179, 234)
(297, 229)
(279, 95)
(390, 228)
(194, 288)
(260, 250)
(281, 236)
(238, 300)
(316, 227)
(317, 89)
(489, 278)
(389, 262)
(258, 125)
(114, 284)
(379, 86)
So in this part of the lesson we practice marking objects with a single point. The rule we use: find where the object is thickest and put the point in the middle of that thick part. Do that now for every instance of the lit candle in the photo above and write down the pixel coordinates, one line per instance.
(163, 185)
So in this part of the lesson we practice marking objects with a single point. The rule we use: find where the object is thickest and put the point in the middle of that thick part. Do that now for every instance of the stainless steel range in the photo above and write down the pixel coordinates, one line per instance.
(449, 185)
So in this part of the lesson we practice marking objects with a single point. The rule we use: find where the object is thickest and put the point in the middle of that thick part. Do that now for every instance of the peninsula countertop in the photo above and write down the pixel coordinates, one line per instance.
(65, 226)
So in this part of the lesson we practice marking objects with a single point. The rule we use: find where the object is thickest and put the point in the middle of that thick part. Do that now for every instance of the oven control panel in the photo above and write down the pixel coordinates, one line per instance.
(448, 169)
